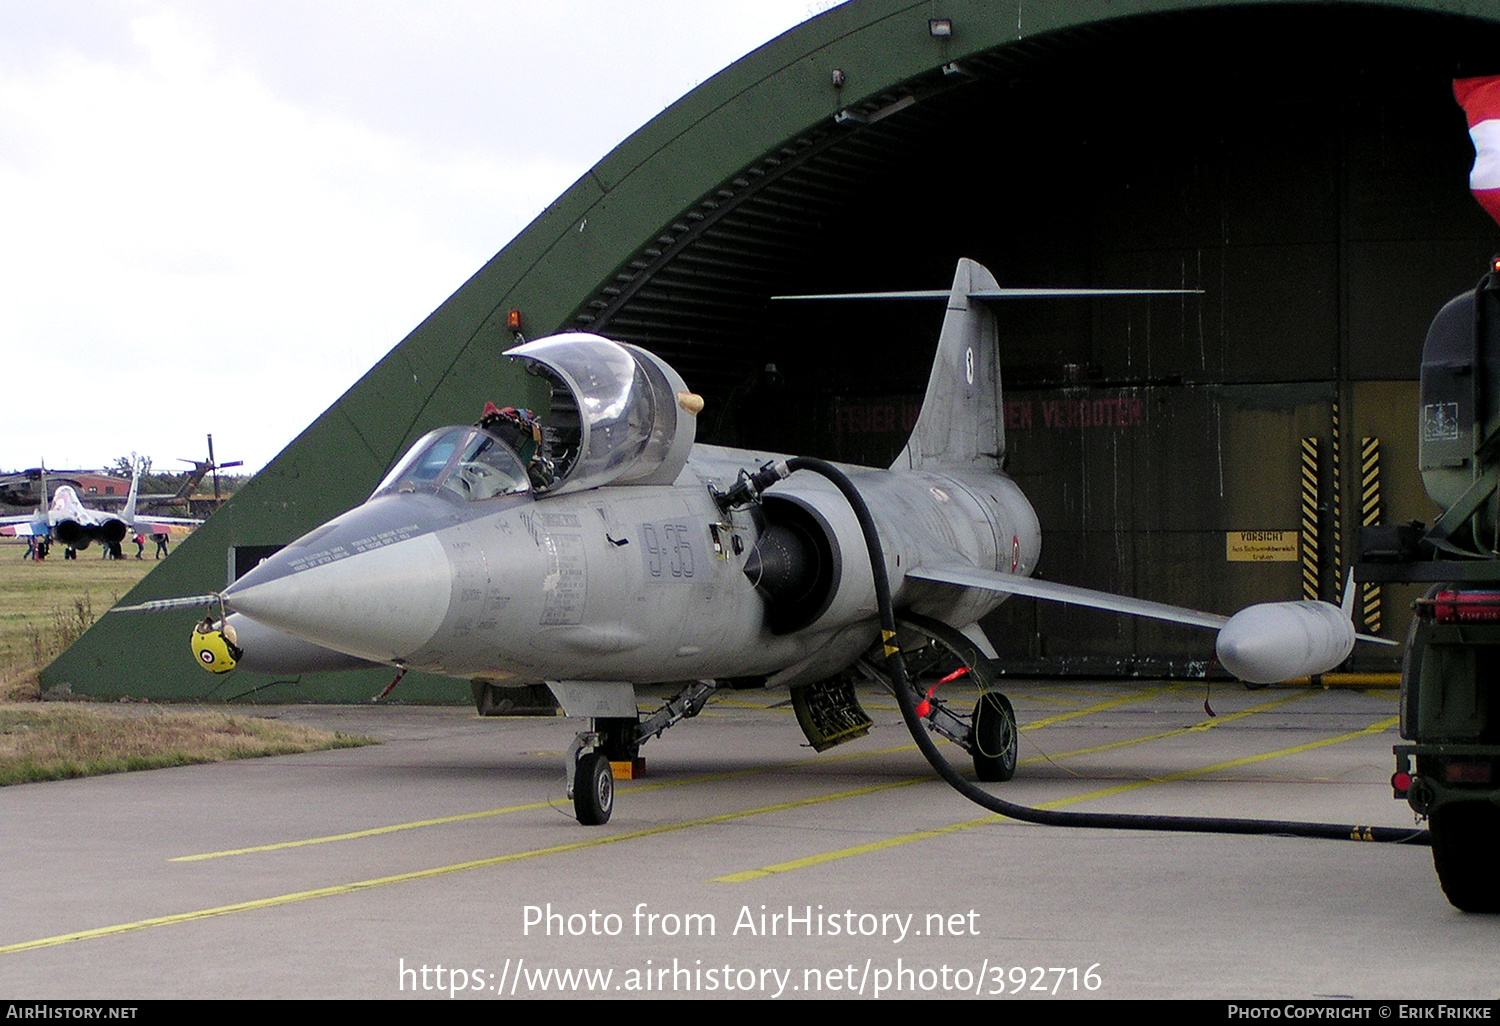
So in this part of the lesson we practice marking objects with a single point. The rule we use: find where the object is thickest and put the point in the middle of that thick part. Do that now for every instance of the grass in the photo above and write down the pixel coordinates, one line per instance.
(44, 608)
(53, 741)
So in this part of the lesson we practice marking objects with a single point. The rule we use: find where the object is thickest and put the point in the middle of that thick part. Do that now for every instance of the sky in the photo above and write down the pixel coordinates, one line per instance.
(216, 215)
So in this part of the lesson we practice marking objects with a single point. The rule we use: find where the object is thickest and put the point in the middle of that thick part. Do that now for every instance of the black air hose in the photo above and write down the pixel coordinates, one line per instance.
(981, 797)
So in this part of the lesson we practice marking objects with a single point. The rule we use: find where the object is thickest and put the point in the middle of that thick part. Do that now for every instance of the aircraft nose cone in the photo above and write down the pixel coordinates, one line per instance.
(382, 603)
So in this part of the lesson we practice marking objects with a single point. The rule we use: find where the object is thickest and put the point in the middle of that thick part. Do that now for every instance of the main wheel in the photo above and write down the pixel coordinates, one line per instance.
(995, 739)
(593, 789)
(1465, 840)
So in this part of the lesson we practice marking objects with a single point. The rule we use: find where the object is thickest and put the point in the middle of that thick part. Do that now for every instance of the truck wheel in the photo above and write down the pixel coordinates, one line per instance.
(1465, 840)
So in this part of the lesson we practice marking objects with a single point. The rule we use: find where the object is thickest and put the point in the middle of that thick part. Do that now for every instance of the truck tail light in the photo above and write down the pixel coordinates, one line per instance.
(1479, 772)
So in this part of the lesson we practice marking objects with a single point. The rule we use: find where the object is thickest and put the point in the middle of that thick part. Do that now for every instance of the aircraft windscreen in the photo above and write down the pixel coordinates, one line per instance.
(464, 462)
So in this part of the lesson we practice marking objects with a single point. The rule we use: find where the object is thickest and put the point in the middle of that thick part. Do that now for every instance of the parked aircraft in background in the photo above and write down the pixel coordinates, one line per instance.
(612, 551)
(76, 526)
(201, 468)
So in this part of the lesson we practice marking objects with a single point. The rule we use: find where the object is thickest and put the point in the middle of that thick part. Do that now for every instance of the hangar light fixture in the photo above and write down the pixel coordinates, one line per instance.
(941, 28)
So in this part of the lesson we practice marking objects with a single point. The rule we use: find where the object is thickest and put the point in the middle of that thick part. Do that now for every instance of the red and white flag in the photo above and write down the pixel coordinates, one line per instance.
(1480, 99)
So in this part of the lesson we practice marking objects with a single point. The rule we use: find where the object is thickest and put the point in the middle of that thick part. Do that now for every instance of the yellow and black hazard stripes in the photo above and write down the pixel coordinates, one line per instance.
(1312, 580)
(1369, 514)
(1338, 506)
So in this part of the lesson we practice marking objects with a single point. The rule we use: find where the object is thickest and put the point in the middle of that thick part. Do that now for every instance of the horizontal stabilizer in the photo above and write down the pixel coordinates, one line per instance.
(1001, 294)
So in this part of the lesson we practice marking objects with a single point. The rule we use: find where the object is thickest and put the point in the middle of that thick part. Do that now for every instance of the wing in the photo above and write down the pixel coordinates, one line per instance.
(1014, 584)
(164, 525)
(23, 527)
(1263, 643)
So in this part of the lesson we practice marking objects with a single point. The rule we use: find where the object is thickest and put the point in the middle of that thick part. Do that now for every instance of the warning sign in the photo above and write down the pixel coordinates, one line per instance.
(1261, 546)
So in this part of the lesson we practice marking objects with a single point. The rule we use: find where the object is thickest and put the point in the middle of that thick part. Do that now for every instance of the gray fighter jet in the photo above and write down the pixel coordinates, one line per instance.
(618, 553)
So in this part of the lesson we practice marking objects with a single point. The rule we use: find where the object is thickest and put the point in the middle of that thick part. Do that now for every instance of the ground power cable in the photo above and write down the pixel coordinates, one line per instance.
(1046, 817)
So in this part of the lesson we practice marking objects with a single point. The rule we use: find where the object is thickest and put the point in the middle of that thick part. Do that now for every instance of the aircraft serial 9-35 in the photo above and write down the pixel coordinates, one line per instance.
(610, 551)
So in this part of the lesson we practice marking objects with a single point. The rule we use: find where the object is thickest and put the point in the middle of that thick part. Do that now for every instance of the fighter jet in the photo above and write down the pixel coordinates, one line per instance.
(77, 526)
(610, 551)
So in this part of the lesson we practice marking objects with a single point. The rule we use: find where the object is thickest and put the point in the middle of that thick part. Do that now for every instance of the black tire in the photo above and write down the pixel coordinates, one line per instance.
(593, 789)
(1465, 840)
(995, 739)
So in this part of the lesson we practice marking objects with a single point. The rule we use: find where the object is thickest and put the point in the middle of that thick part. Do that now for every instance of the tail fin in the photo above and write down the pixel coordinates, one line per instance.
(961, 421)
(135, 481)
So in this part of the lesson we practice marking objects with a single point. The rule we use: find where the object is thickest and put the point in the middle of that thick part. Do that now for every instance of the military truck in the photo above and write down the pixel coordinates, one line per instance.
(1450, 680)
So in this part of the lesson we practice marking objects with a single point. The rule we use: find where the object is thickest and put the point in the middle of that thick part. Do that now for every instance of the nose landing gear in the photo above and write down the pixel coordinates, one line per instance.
(591, 780)
(593, 789)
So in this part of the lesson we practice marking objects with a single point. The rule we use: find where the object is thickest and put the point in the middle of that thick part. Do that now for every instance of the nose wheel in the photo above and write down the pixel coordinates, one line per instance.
(593, 789)
(591, 780)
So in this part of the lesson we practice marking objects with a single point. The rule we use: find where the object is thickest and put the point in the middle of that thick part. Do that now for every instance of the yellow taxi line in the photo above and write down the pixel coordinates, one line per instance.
(427, 874)
(1174, 732)
(923, 835)
(393, 828)
(439, 821)
(1112, 703)
(1378, 727)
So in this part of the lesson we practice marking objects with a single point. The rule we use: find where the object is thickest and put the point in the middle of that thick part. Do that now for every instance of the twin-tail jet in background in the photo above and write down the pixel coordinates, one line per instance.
(77, 526)
(605, 550)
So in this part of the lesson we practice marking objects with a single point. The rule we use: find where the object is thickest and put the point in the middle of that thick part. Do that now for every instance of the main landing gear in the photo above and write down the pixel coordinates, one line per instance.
(937, 656)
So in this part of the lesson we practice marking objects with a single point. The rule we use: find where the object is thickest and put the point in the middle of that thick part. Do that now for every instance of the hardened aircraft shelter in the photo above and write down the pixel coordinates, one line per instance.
(1304, 164)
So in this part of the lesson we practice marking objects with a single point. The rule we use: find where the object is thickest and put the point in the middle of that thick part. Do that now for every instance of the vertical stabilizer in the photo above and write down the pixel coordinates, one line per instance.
(960, 424)
(135, 481)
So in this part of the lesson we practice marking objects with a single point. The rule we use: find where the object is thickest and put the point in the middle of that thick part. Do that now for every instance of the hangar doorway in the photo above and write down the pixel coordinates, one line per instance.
(1305, 166)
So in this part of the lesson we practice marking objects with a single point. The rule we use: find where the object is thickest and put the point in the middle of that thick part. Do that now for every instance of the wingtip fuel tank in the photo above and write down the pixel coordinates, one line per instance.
(1276, 641)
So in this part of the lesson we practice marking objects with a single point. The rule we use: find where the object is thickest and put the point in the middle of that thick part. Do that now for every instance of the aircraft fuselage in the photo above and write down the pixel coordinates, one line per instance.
(639, 583)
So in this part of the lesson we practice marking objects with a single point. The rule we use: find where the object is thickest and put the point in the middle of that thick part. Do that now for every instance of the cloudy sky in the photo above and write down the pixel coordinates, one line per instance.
(215, 215)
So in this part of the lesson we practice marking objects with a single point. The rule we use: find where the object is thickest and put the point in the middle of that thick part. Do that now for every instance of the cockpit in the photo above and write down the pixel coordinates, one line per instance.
(468, 463)
(617, 415)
